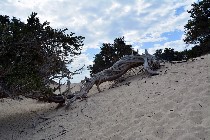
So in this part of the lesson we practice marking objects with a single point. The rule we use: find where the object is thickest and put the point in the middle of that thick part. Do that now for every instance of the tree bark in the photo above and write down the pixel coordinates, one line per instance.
(117, 70)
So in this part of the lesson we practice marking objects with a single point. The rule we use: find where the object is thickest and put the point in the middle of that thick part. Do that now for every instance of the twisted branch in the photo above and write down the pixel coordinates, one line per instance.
(117, 70)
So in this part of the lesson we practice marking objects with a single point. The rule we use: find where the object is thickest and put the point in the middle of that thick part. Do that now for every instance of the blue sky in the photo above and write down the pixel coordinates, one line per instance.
(145, 24)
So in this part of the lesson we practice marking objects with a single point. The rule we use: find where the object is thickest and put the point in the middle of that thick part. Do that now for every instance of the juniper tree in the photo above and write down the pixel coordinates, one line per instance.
(33, 54)
(109, 54)
(197, 30)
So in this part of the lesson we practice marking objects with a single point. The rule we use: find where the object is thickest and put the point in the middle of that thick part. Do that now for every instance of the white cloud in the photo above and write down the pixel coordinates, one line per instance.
(79, 62)
(105, 20)
(114, 6)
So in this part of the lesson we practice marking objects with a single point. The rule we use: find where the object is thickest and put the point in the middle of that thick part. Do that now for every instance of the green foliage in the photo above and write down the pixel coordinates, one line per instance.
(170, 55)
(33, 53)
(197, 30)
(110, 53)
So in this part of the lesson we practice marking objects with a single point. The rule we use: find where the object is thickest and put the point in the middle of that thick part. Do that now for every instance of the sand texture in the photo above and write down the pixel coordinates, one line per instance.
(174, 105)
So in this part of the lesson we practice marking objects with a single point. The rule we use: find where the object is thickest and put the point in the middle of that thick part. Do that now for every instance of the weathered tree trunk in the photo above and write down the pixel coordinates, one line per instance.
(117, 70)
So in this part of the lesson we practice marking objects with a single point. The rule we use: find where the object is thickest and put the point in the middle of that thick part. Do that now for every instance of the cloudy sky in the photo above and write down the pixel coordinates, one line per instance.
(145, 24)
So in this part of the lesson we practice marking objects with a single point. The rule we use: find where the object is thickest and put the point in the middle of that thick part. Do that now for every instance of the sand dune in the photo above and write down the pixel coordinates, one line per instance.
(170, 106)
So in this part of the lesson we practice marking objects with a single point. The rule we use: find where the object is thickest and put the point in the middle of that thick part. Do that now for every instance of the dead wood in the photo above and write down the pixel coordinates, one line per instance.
(149, 62)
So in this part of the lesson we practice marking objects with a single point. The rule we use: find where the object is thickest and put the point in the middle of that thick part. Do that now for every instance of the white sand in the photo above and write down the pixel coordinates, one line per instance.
(173, 105)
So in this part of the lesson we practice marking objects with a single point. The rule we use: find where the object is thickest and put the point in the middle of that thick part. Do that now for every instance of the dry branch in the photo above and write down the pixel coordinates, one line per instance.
(117, 70)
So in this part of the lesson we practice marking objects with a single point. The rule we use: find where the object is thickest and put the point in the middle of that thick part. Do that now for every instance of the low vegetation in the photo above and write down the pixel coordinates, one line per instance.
(32, 55)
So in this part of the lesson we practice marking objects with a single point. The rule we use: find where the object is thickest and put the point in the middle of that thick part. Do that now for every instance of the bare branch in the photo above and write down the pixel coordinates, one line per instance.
(117, 70)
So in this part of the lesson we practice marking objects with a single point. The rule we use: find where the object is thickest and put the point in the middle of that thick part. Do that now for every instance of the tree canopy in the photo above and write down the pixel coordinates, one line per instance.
(109, 54)
(197, 30)
(32, 54)
(169, 54)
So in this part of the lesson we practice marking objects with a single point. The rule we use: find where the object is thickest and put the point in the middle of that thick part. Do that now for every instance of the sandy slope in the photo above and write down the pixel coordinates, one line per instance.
(172, 105)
